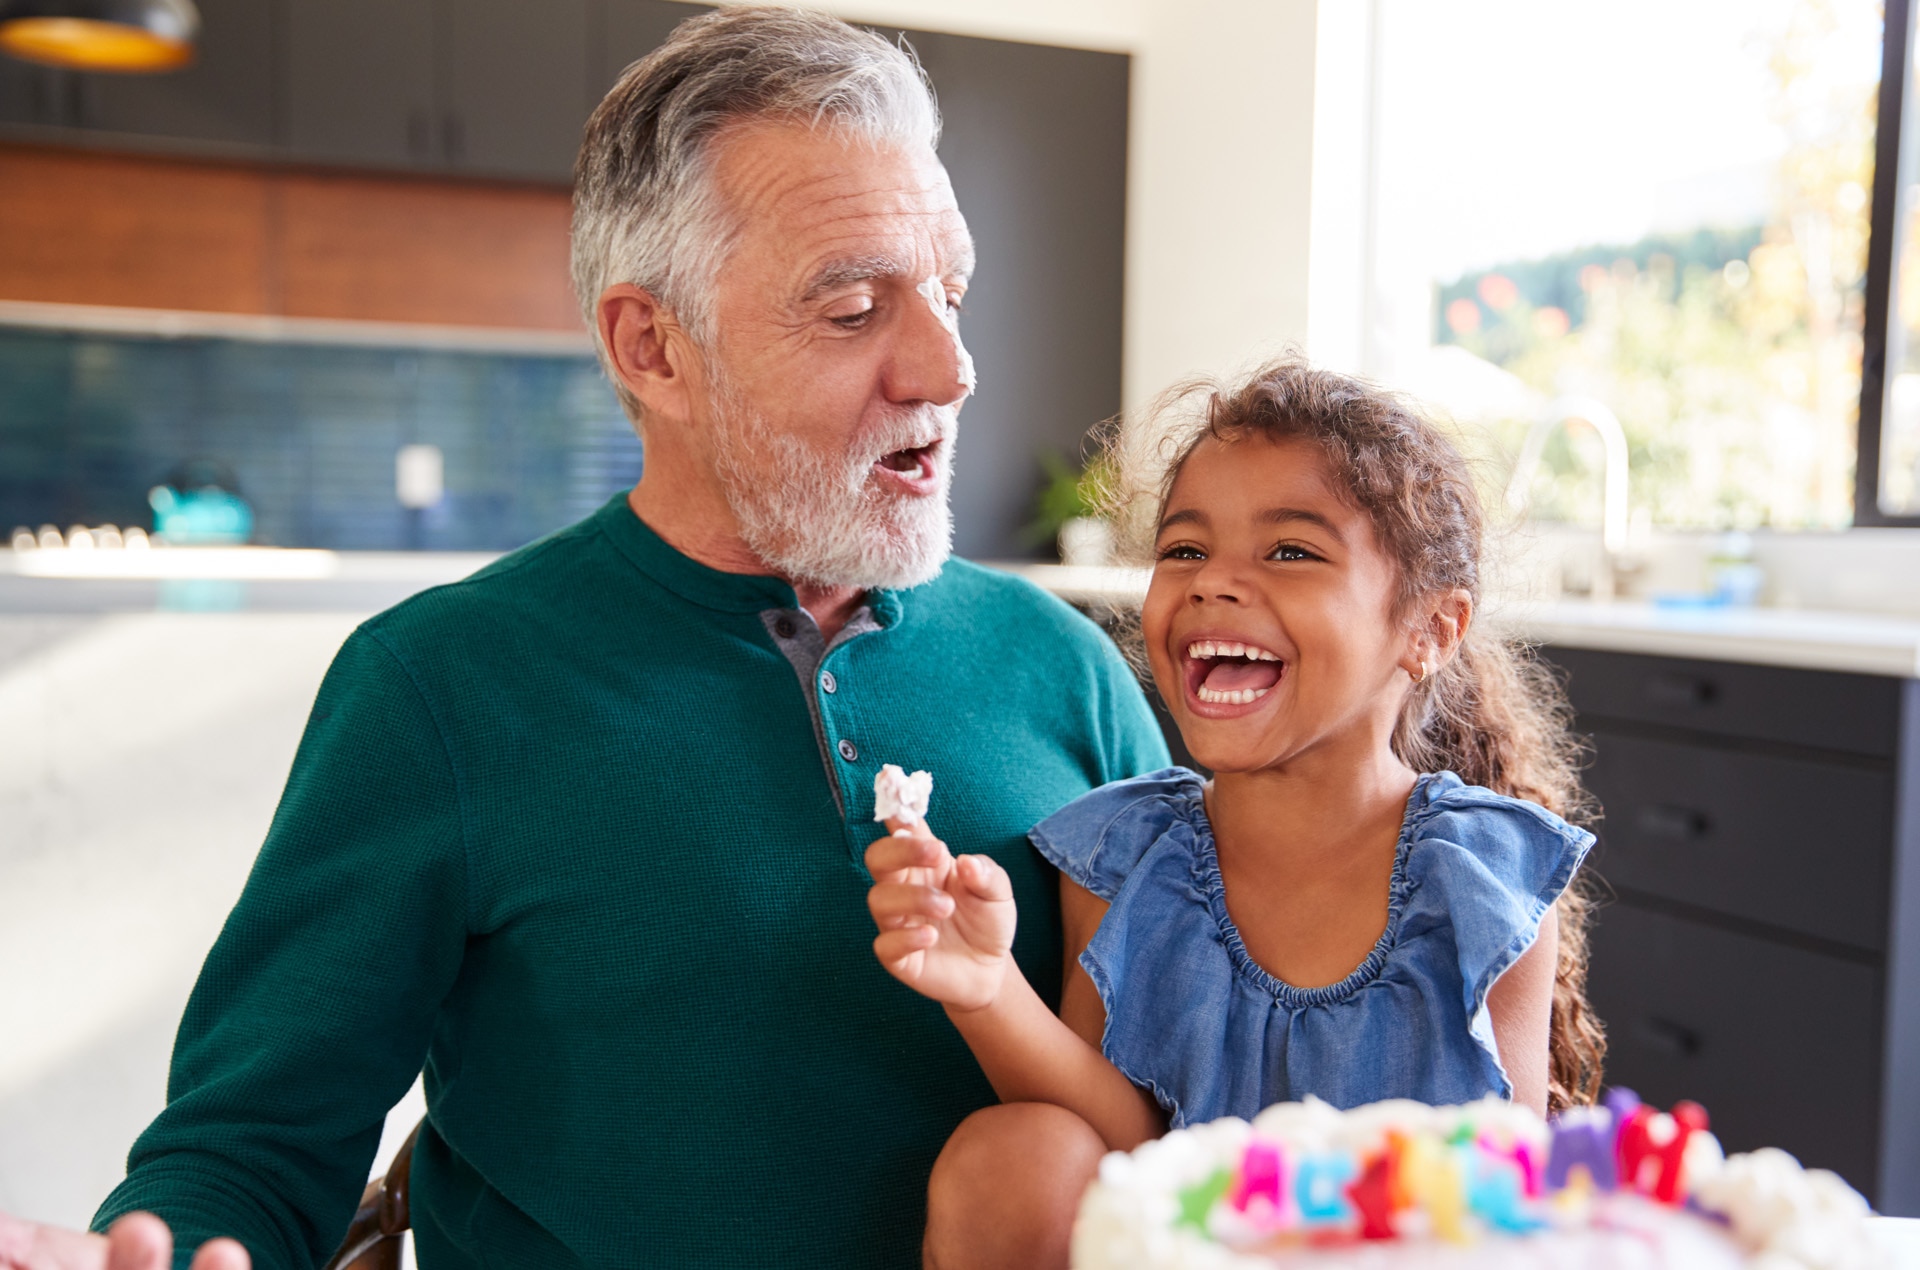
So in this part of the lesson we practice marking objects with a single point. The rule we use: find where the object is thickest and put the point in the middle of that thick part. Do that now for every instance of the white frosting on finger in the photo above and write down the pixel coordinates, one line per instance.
(898, 796)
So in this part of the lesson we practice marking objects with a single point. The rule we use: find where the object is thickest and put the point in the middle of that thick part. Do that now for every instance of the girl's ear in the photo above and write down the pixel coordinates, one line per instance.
(1438, 627)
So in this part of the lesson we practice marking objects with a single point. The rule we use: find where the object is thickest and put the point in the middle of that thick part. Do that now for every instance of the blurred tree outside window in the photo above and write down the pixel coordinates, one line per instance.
(1899, 485)
(1662, 205)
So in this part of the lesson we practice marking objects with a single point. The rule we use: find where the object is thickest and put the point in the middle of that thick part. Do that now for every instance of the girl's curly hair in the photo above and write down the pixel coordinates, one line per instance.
(1494, 713)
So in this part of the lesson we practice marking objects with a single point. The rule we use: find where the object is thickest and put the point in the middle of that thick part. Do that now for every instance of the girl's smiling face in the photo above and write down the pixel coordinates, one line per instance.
(1270, 621)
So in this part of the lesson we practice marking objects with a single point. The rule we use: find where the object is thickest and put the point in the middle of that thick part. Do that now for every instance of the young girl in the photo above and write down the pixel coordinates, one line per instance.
(1368, 900)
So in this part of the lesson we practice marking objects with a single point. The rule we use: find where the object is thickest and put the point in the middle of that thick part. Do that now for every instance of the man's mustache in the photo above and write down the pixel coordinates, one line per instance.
(917, 429)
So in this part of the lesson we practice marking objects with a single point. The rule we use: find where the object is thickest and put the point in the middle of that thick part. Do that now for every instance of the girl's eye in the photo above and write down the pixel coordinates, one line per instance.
(1182, 551)
(1287, 551)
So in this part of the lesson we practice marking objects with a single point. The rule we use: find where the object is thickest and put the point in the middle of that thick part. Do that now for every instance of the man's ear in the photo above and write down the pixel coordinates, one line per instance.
(648, 349)
(1440, 623)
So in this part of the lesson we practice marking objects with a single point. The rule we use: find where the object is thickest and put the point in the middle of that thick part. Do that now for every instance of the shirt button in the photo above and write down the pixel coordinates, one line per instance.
(849, 751)
(828, 683)
(784, 628)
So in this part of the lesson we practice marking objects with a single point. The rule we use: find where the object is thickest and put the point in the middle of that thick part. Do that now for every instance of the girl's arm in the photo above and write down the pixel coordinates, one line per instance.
(1521, 1002)
(946, 931)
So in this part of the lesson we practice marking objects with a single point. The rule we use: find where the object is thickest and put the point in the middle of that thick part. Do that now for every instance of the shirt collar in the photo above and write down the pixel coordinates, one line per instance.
(709, 587)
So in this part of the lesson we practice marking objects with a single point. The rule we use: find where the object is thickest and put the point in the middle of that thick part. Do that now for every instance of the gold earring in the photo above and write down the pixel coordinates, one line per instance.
(1424, 672)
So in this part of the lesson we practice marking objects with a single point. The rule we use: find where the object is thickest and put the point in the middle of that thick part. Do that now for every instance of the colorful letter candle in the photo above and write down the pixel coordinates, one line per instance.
(1320, 1190)
(1620, 1186)
(1522, 1154)
(1582, 1138)
(1432, 1175)
(1261, 1182)
(1372, 1194)
(1494, 1193)
(1653, 1145)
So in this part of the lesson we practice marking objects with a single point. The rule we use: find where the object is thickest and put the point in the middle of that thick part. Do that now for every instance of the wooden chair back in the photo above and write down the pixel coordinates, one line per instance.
(379, 1227)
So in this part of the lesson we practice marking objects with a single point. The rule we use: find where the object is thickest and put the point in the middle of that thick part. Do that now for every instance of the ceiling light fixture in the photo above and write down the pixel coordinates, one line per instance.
(125, 36)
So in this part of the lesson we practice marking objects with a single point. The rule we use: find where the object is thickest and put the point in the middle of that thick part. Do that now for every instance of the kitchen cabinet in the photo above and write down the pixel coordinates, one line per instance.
(490, 87)
(1761, 954)
(512, 80)
(631, 29)
(223, 101)
(359, 83)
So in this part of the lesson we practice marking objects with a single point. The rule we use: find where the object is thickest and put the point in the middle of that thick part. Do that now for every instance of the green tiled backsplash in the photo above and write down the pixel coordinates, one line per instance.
(89, 423)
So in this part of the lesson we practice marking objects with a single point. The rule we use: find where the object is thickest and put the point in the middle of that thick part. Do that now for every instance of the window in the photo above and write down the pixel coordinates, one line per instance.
(1888, 488)
(1663, 207)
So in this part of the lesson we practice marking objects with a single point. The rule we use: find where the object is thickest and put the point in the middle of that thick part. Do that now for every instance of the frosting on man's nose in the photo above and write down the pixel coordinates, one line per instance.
(935, 293)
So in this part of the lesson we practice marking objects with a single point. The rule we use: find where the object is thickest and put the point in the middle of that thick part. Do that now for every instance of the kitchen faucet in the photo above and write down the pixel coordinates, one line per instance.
(1613, 478)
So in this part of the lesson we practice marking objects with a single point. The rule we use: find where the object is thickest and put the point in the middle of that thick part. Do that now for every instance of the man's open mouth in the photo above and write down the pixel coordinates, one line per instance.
(1229, 673)
(917, 462)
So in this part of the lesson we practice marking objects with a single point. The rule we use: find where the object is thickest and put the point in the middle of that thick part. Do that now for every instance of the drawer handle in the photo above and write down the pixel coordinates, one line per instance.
(1682, 690)
(1676, 1039)
(1666, 820)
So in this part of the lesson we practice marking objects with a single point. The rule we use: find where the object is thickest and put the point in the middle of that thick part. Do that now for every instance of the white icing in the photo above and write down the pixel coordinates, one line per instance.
(898, 796)
(1779, 1216)
(934, 292)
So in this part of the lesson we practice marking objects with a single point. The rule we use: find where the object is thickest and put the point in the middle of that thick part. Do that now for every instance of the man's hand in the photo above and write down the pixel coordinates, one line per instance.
(946, 924)
(138, 1241)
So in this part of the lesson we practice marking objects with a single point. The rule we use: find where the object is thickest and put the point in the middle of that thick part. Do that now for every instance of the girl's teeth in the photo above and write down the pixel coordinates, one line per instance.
(1241, 697)
(1202, 650)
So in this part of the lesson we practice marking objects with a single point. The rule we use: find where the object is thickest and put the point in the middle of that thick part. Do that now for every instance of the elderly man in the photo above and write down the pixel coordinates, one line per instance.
(583, 833)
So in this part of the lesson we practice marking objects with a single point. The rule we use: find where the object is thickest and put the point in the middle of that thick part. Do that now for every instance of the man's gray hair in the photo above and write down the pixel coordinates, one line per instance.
(644, 208)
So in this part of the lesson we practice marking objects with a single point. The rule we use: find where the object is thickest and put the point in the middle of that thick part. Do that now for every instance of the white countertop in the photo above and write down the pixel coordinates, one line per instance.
(1861, 643)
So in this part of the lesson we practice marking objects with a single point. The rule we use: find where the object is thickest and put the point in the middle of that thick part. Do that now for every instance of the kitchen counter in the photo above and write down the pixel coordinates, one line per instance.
(1860, 643)
(221, 579)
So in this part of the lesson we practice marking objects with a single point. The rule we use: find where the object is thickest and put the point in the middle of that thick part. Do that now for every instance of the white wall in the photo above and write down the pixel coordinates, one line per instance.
(1220, 199)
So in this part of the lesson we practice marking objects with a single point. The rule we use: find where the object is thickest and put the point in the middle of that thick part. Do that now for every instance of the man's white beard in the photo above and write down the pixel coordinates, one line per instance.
(823, 518)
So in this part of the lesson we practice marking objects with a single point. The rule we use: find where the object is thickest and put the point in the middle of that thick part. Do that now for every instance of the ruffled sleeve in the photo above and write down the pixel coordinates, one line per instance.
(1489, 867)
(1099, 837)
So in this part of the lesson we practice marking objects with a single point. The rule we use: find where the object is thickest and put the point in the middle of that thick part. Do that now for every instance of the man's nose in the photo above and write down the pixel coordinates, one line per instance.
(930, 364)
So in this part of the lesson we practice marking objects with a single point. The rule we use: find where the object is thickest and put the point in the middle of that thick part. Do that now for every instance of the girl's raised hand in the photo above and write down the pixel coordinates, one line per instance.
(946, 924)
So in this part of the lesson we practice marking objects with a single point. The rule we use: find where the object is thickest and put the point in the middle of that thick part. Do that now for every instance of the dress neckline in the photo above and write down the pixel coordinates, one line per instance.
(1213, 892)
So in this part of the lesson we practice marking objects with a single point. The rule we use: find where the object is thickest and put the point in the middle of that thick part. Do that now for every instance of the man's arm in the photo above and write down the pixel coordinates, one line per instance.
(313, 1011)
(1133, 743)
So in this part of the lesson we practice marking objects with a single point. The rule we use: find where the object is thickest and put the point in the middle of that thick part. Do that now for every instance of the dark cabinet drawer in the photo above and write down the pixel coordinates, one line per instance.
(1814, 709)
(1781, 1046)
(1790, 842)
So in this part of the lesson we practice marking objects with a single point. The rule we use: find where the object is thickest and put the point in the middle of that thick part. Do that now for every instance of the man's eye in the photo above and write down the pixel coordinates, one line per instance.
(1287, 551)
(1182, 551)
(852, 321)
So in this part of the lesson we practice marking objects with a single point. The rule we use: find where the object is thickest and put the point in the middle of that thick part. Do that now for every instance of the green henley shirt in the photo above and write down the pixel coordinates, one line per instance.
(569, 835)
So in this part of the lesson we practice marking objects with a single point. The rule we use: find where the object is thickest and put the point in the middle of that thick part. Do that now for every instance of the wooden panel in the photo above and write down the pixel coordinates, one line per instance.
(99, 229)
(425, 251)
(84, 228)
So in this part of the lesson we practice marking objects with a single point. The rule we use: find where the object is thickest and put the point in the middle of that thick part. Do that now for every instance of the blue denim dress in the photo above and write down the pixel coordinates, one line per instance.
(1193, 1019)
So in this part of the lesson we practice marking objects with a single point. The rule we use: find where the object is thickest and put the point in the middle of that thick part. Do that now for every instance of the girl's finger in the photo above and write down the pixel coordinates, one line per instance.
(983, 877)
(894, 902)
(895, 946)
(893, 855)
(901, 826)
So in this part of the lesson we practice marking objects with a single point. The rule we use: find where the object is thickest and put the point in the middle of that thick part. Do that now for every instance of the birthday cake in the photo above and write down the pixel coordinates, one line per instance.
(1485, 1185)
